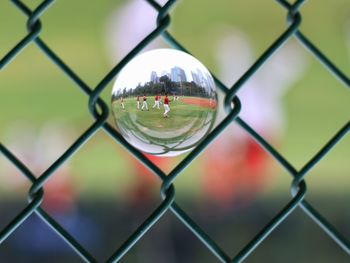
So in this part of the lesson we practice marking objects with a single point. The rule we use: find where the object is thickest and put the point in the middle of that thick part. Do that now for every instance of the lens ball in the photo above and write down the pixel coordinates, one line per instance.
(164, 102)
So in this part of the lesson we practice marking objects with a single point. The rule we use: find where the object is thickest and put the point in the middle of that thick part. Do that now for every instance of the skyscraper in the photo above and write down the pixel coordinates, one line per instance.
(201, 77)
(154, 77)
(210, 81)
(195, 78)
(178, 74)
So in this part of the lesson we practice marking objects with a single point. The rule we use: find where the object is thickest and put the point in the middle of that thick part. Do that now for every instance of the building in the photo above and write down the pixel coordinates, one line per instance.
(195, 78)
(178, 74)
(210, 81)
(154, 77)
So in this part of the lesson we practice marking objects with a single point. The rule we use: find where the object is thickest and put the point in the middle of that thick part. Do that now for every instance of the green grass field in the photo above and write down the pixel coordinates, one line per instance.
(180, 113)
(34, 91)
(176, 131)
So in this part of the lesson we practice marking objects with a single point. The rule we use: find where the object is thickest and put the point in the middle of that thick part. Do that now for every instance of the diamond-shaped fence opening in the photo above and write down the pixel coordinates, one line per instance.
(168, 205)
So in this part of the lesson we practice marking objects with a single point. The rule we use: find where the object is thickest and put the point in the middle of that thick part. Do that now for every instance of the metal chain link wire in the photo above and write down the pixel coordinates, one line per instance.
(100, 112)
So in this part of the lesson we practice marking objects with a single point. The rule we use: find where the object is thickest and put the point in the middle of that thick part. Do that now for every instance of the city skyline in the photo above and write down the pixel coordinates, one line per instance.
(139, 70)
(177, 74)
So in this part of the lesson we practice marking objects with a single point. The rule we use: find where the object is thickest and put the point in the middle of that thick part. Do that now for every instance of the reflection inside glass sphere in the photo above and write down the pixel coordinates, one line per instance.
(164, 102)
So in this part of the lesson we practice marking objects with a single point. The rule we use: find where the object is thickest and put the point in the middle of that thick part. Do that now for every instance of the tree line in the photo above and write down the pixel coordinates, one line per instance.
(164, 86)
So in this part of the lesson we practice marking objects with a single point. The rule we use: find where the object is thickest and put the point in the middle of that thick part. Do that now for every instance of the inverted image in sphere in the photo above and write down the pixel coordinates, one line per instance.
(164, 102)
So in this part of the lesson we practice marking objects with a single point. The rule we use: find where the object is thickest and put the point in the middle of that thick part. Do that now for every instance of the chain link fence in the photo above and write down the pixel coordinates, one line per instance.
(100, 111)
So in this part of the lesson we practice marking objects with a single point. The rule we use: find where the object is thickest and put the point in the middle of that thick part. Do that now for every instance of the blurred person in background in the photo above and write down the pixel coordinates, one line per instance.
(242, 167)
(143, 188)
(38, 150)
(119, 43)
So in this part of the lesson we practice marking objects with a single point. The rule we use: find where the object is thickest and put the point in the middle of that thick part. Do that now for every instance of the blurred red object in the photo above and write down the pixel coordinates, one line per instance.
(60, 193)
(235, 173)
(145, 183)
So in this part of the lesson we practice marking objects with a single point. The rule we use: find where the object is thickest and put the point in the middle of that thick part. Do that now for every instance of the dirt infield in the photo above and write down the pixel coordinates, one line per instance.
(207, 103)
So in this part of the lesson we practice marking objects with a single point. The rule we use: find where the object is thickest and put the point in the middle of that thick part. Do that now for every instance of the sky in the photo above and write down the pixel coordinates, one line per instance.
(139, 69)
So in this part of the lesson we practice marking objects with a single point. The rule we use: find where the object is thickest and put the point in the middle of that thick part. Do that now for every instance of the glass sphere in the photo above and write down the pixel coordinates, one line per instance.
(164, 102)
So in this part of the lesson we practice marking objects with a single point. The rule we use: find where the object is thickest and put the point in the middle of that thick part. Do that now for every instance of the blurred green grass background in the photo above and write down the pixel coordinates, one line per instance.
(34, 90)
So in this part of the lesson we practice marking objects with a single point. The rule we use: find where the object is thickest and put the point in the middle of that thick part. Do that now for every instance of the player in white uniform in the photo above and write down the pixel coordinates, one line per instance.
(122, 103)
(156, 102)
(166, 106)
(144, 104)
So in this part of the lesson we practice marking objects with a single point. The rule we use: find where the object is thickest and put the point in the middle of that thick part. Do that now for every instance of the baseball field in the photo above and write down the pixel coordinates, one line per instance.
(182, 111)
(188, 116)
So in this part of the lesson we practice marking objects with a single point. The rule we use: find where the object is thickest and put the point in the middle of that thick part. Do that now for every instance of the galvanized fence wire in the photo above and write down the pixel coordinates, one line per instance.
(100, 111)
